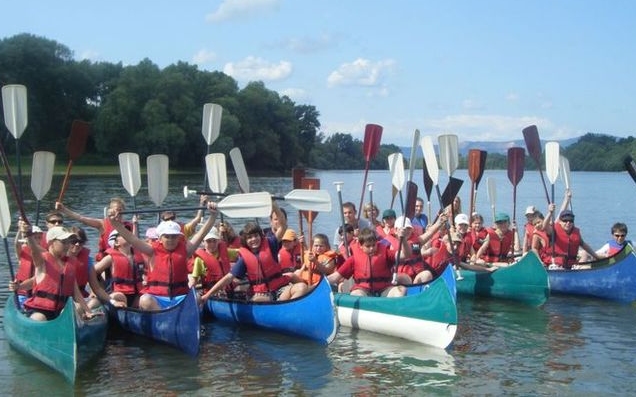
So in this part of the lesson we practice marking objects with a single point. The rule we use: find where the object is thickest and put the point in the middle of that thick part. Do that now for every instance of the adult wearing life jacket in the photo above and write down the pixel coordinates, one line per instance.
(54, 275)
(616, 243)
(289, 256)
(567, 240)
(258, 263)
(210, 263)
(371, 267)
(167, 274)
(419, 220)
(79, 251)
(498, 248)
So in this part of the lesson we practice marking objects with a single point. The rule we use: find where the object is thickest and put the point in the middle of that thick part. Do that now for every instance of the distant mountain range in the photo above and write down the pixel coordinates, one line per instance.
(491, 147)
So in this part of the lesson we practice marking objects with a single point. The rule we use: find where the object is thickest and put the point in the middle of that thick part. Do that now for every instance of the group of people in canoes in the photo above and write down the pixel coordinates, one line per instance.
(379, 256)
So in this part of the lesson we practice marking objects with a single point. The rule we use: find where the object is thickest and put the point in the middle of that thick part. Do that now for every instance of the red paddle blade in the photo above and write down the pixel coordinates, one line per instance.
(76, 143)
(372, 138)
(533, 143)
(312, 184)
(411, 197)
(516, 164)
(475, 169)
(297, 176)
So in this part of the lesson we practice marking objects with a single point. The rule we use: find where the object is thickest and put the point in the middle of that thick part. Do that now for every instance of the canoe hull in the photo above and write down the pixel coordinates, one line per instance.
(427, 314)
(65, 343)
(311, 316)
(611, 278)
(178, 326)
(526, 281)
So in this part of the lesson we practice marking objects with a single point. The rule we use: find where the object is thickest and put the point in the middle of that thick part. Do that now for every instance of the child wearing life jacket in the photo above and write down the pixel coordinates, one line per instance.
(210, 263)
(318, 261)
(289, 256)
(616, 243)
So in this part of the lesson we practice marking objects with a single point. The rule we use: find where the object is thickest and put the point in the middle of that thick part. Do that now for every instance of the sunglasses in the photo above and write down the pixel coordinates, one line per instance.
(55, 221)
(169, 218)
(567, 220)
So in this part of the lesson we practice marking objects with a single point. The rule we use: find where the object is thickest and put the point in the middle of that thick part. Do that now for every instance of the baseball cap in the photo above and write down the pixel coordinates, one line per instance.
(57, 233)
(502, 217)
(289, 235)
(168, 227)
(388, 214)
(402, 221)
(213, 233)
(530, 210)
(461, 219)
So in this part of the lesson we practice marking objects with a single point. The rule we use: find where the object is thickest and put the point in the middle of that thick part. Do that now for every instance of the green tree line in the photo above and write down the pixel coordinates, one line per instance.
(147, 110)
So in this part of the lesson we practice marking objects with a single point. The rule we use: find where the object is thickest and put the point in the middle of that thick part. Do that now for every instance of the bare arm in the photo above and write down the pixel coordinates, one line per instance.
(195, 241)
(92, 222)
(222, 283)
(138, 244)
(103, 264)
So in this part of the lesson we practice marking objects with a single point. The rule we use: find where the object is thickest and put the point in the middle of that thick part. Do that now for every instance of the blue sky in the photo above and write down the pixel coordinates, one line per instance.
(480, 69)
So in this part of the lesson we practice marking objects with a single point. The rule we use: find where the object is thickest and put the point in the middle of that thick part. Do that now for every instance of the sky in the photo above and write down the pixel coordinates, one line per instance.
(483, 70)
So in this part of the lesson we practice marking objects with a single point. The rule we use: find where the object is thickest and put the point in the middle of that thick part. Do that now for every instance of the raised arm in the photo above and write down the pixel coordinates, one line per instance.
(92, 222)
(195, 241)
(137, 243)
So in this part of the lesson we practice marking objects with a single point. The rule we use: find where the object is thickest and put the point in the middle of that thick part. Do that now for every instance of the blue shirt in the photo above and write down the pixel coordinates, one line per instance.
(420, 220)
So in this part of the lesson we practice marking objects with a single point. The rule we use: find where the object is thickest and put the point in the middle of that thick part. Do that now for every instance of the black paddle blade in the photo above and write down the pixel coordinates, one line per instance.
(533, 143)
(451, 191)
(516, 164)
(630, 166)
(411, 197)
(428, 182)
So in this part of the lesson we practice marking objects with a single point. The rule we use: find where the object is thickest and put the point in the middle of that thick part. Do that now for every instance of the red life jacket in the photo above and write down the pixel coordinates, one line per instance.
(566, 246)
(58, 284)
(102, 243)
(545, 253)
(126, 278)
(440, 260)
(289, 261)
(478, 238)
(373, 273)
(81, 273)
(25, 268)
(216, 266)
(499, 248)
(263, 272)
(168, 275)
(528, 230)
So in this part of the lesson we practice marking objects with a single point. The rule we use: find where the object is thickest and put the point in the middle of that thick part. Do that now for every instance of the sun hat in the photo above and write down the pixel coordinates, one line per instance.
(57, 233)
(402, 221)
(461, 219)
(388, 214)
(168, 228)
(213, 233)
(289, 235)
(502, 217)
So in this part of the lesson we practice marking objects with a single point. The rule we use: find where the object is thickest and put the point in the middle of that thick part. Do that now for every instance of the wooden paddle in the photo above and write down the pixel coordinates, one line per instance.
(552, 172)
(14, 102)
(476, 167)
(41, 177)
(370, 148)
(342, 219)
(239, 170)
(246, 205)
(492, 195)
(564, 165)
(533, 144)
(210, 127)
(310, 184)
(396, 168)
(5, 226)
(297, 182)
(75, 147)
(516, 164)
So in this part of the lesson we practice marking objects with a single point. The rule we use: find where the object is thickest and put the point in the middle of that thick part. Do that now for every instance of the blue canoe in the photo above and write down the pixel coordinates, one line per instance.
(526, 281)
(311, 316)
(179, 325)
(65, 343)
(427, 314)
(612, 278)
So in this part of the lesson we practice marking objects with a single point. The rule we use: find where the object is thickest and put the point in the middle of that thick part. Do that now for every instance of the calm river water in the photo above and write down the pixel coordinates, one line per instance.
(569, 346)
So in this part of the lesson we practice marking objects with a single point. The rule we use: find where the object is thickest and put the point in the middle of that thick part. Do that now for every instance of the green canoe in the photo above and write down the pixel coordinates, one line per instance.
(525, 281)
(64, 343)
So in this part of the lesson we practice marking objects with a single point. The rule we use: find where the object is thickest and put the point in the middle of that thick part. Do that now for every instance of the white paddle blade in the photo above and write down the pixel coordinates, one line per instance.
(396, 168)
(42, 173)
(430, 159)
(552, 161)
(492, 191)
(130, 172)
(217, 172)
(5, 215)
(413, 156)
(211, 123)
(246, 205)
(157, 169)
(448, 152)
(14, 102)
(239, 169)
(565, 171)
(309, 200)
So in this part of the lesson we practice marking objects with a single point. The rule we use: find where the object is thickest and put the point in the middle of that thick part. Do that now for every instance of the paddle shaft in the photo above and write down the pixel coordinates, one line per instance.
(17, 196)
(343, 225)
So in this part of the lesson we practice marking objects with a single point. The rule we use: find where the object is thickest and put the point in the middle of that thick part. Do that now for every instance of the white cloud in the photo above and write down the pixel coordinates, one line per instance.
(253, 68)
(232, 9)
(361, 72)
(203, 57)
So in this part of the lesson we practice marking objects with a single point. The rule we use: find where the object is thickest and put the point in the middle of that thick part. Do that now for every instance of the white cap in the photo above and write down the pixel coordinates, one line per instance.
(35, 229)
(213, 233)
(112, 237)
(530, 210)
(57, 233)
(403, 222)
(168, 227)
(461, 219)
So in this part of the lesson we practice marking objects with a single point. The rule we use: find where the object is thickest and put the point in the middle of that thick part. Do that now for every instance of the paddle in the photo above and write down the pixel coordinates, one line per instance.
(239, 170)
(414, 146)
(245, 205)
(552, 171)
(396, 168)
(311, 184)
(301, 199)
(75, 147)
(476, 167)
(516, 164)
(297, 182)
(5, 225)
(428, 187)
(533, 144)
(492, 195)
(217, 173)
(449, 159)
(210, 127)
(564, 165)
(342, 219)
(370, 188)
(16, 194)
(370, 148)
(157, 168)
(409, 212)
(130, 174)
(41, 177)
(14, 102)
(630, 166)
